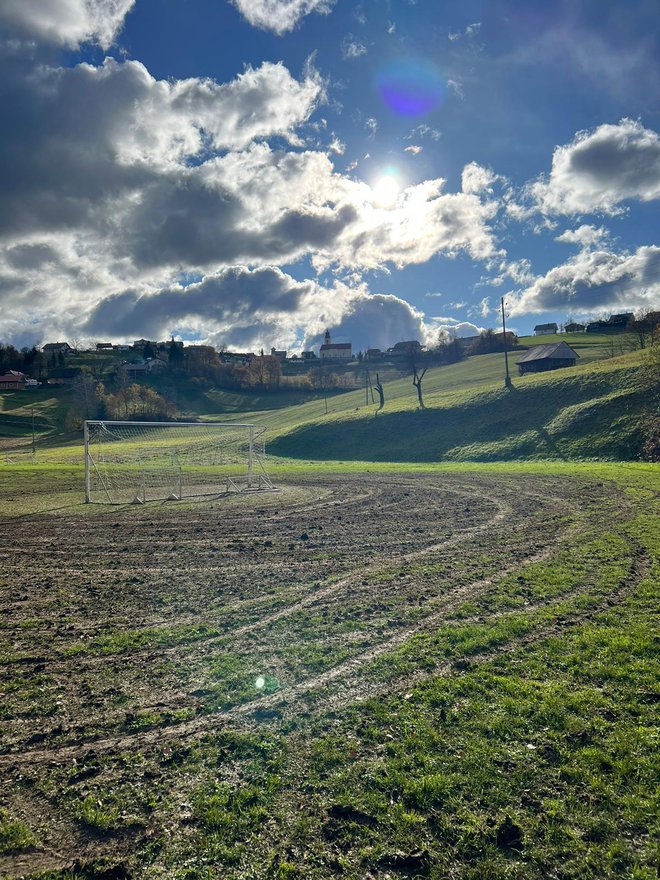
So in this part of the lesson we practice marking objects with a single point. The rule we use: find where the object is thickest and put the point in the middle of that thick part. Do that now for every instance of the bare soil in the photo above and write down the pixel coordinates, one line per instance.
(130, 637)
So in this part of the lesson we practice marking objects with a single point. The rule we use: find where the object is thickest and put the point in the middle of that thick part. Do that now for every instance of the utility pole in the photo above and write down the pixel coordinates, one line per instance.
(507, 380)
(33, 449)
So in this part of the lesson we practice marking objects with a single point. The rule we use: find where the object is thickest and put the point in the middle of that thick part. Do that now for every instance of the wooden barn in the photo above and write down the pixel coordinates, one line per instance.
(547, 357)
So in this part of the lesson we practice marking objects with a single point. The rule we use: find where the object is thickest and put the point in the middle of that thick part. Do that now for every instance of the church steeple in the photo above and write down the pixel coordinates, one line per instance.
(327, 338)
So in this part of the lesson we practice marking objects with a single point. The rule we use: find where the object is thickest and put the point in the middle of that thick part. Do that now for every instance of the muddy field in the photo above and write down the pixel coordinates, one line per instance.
(156, 662)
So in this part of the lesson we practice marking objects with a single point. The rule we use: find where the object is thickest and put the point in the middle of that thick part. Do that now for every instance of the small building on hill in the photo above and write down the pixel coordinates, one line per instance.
(574, 327)
(13, 381)
(104, 346)
(622, 321)
(63, 375)
(544, 329)
(547, 357)
(57, 348)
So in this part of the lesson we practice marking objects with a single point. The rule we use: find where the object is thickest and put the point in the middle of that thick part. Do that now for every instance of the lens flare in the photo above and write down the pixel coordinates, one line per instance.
(411, 88)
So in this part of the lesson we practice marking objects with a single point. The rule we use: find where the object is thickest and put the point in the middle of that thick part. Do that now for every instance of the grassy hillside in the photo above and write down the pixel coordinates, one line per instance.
(594, 411)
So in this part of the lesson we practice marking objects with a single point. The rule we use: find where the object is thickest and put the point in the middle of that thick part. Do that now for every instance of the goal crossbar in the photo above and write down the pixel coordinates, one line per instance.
(147, 461)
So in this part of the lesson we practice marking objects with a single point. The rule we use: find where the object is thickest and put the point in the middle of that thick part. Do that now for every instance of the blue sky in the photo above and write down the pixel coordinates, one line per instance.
(252, 172)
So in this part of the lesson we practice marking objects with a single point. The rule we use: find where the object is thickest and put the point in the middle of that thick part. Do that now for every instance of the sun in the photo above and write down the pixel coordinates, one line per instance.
(386, 191)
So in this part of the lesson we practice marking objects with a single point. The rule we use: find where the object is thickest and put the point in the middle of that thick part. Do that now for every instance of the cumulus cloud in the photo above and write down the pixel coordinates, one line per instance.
(451, 328)
(279, 16)
(477, 179)
(121, 182)
(600, 169)
(225, 298)
(595, 280)
(367, 320)
(584, 236)
(425, 221)
(65, 22)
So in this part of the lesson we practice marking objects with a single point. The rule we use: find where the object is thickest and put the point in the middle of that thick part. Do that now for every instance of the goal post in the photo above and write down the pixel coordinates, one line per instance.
(148, 461)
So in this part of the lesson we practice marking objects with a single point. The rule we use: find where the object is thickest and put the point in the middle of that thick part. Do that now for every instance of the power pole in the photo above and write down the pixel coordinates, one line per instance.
(33, 449)
(507, 379)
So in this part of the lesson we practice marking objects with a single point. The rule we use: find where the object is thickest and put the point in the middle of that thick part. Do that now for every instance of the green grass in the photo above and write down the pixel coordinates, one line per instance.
(596, 411)
(14, 834)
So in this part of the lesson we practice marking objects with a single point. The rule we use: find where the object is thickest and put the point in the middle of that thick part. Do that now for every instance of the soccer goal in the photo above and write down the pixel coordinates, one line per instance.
(149, 461)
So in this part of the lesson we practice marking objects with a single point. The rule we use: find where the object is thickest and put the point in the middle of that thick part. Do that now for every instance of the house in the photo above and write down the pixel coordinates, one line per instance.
(104, 346)
(625, 319)
(597, 326)
(242, 358)
(279, 354)
(121, 347)
(403, 349)
(13, 381)
(63, 376)
(336, 351)
(57, 348)
(143, 343)
(547, 357)
(374, 354)
(573, 327)
(544, 329)
(308, 356)
(151, 365)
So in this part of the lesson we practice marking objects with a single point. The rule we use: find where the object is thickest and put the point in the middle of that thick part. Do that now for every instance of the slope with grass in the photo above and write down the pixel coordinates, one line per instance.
(594, 411)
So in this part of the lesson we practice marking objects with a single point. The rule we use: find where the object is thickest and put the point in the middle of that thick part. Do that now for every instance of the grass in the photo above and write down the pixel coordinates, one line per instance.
(14, 834)
(523, 745)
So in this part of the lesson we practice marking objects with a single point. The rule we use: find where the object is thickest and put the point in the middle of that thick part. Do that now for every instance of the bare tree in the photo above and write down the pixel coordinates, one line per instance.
(417, 382)
(381, 394)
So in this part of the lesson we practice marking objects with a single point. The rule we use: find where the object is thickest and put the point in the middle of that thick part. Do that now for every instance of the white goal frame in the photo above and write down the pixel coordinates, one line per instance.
(159, 470)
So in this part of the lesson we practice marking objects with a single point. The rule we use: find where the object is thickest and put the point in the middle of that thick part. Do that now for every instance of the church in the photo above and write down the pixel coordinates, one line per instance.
(336, 351)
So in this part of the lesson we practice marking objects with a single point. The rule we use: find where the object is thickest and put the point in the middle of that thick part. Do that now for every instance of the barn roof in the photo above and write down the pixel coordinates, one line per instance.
(553, 350)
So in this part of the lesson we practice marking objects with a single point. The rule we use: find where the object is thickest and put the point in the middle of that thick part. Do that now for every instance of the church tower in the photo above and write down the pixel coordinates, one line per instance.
(328, 341)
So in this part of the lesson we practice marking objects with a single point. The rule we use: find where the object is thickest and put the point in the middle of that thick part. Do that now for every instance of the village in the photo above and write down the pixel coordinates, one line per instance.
(61, 363)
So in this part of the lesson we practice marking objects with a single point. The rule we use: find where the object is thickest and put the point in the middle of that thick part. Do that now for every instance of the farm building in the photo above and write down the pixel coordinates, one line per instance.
(13, 381)
(547, 357)
(544, 329)
(573, 327)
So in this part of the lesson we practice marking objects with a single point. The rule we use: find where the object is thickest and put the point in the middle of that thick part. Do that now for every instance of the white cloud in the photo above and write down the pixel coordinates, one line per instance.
(415, 149)
(585, 236)
(279, 16)
(595, 280)
(600, 169)
(424, 222)
(482, 308)
(458, 329)
(121, 182)
(65, 22)
(457, 88)
(352, 48)
(477, 179)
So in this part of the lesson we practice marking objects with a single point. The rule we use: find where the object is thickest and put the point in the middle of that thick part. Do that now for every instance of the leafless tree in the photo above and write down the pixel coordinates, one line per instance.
(381, 394)
(417, 382)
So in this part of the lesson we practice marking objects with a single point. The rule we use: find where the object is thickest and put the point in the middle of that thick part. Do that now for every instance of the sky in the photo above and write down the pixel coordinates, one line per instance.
(250, 173)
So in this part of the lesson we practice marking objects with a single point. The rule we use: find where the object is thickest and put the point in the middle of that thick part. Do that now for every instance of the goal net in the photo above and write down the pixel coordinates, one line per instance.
(148, 461)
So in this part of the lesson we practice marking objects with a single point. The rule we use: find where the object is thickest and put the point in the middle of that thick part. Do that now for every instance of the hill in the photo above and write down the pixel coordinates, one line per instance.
(597, 410)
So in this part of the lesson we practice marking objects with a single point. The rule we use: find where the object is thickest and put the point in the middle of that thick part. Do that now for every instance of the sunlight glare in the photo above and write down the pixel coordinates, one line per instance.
(386, 191)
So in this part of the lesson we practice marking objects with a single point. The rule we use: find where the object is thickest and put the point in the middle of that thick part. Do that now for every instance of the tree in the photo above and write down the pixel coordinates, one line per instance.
(174, 355)
(381, 394)
(417, 382)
